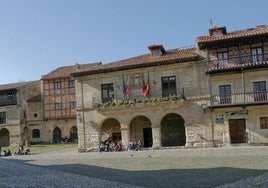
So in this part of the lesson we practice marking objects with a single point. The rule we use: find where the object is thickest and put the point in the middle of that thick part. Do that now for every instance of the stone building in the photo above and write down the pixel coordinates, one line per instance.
(157, 98)
(59, 104)
(13, 111)
(213, 94)
(237, 69)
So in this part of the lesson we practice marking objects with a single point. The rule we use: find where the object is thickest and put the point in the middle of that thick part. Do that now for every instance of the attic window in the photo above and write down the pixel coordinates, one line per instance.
(157, 50)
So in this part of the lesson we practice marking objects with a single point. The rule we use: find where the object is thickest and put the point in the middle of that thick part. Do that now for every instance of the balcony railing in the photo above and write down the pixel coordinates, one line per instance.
(249, 98)
(6, 102)
(237, 62)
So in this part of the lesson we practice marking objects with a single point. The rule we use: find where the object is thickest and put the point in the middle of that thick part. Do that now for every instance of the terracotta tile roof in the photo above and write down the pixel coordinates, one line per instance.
(14, 85)
(146, 60)
(63, 72)
(259, 30)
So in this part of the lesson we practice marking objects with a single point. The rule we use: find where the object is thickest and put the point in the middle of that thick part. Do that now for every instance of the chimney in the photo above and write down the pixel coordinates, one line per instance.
(217, 31)
(157, 50)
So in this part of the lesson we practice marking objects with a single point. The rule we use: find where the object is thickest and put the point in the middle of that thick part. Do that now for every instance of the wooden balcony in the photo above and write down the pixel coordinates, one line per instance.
(239, 99)
(237, 63)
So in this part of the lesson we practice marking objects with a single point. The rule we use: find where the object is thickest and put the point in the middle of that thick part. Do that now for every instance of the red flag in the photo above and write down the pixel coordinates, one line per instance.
(145, 88)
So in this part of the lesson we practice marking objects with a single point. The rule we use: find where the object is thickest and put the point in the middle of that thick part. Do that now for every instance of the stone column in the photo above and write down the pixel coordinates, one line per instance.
(156, 133)
(125, 137)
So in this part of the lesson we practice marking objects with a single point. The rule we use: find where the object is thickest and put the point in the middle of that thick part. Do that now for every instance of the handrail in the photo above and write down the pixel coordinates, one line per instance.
(240, 98)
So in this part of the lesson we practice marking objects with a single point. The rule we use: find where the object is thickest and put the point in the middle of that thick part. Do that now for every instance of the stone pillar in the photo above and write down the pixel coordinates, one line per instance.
(125, 137)
(156, 133)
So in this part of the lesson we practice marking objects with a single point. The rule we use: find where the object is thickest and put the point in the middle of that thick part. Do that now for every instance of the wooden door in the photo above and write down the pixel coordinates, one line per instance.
(237, 129)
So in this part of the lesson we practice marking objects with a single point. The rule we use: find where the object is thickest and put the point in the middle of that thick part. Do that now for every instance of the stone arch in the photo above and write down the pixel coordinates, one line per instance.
(141, 129)
(57, 134)
(73, 133)
(4, 137)
(111, 126)
(173, 130)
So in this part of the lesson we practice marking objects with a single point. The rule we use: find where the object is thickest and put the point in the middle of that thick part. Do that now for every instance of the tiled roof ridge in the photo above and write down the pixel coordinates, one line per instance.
(258, 30)
(65, 71)
(15, 85)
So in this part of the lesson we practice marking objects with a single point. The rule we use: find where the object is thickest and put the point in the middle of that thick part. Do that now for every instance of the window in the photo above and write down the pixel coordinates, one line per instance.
(72, 105)
(169, 86)
(36, 133)
(3, 118)
(257, 55)
(71, 83)
(35, 114)
(259, 89)
(57, 85)
(264, 122)
(58, 106)
(107, 92)
(222, 58)
(225, 94)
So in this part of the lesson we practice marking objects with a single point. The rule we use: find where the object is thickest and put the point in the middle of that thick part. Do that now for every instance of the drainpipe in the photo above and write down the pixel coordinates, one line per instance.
(211, 102)
(83, 114)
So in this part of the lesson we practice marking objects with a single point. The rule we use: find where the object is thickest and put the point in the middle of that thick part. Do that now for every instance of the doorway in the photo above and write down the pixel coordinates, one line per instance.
(237, 129)
(148, 138)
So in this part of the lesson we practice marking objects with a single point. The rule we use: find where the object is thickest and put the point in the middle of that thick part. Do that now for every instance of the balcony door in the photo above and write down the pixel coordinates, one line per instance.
(259, 89)
(225, 94)
(169, 86)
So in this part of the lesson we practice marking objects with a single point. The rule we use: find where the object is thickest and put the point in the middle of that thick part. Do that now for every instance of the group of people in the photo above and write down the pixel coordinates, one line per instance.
(20, 152)
(134, 146)
(109, 145)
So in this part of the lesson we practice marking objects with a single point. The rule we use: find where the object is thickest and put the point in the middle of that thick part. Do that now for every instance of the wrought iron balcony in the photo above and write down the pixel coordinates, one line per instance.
(137, 98)
(237, 99)
(237, 63)
(6, 102)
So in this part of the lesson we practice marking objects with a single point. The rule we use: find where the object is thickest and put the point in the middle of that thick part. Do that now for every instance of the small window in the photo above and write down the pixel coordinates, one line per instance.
(3, 118)
(57, 85)
(36, 133)
(222, 58)
(72, 105)
(264, 122)
(71, 83)
(35, 115)
(58, 106)
(257, 55)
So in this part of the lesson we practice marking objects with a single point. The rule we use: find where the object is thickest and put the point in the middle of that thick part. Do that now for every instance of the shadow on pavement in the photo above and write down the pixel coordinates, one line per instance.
(194, 178)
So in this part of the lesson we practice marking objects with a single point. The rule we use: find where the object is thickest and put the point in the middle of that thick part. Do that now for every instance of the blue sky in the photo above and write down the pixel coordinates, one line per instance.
(38, 36)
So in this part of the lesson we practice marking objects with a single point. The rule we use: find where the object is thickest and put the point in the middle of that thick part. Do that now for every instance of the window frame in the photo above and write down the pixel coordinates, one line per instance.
(72, 104)
(3, 117)
(71, 84)
(257, 54)
(225, 93)
(58, 106)
(57, 85)
(263, 122)
(169, 86)
(222, 58)
(259, 90)
(107, 92)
